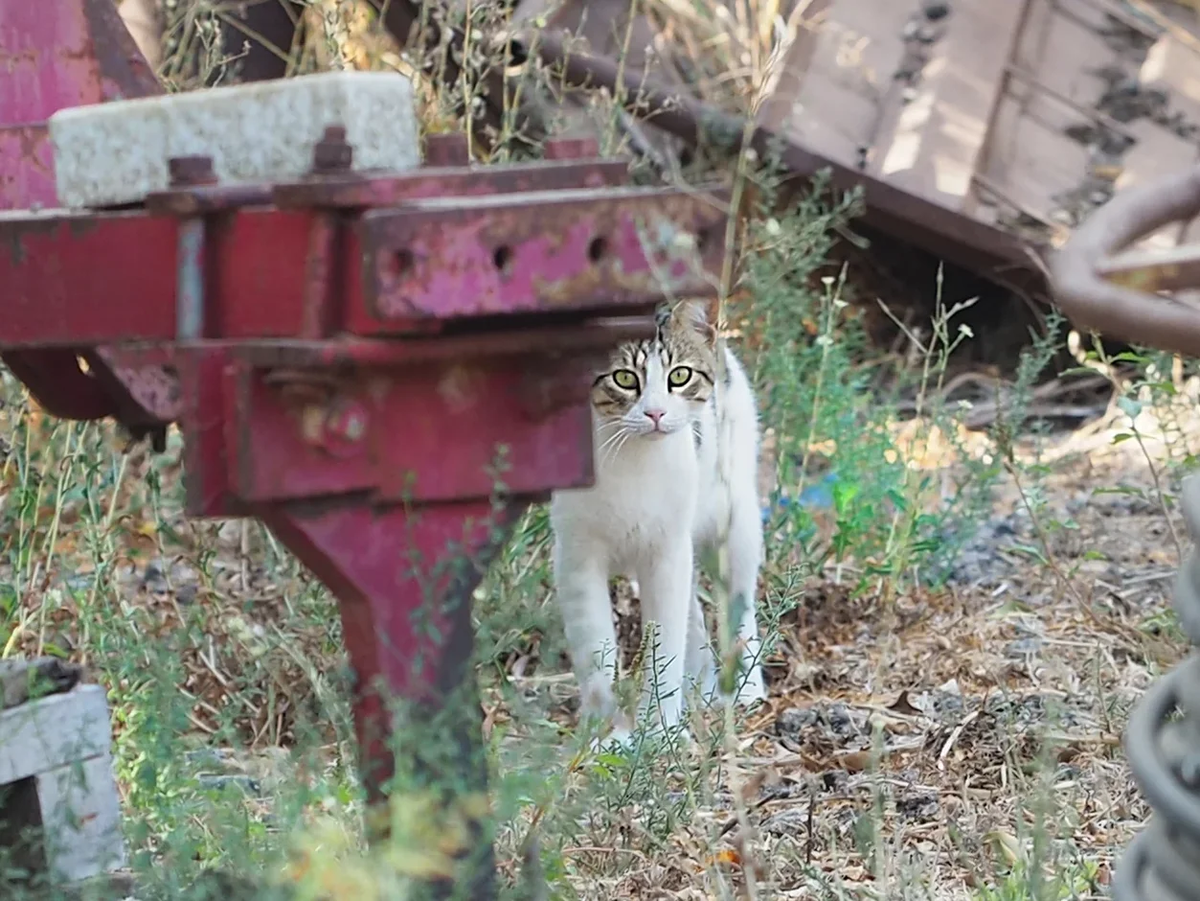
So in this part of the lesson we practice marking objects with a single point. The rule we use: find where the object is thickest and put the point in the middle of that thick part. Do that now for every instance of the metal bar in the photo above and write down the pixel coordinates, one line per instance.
(984, 157)
(455, 416)
(1151, 271)
(64, 54)
(555, 250)
(66, 278)
(189, 297)
(407, 624)
(372, 353)
(1082, 274)
(353, 190)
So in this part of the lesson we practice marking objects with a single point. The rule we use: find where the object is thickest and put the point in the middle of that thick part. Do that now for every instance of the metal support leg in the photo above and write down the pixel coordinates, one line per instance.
(404, 579)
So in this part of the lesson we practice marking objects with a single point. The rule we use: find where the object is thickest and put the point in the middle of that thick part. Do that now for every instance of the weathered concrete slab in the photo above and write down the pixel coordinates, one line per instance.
(43, 735)
(115, 153)
(56, 776)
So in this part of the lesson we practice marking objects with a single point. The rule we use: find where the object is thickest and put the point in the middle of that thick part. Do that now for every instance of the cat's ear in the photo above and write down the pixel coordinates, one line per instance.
(693, 316)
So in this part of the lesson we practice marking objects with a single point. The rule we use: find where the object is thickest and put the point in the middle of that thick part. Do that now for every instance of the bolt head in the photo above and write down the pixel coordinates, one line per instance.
(188, 171)
(345, 427)
(333, 153)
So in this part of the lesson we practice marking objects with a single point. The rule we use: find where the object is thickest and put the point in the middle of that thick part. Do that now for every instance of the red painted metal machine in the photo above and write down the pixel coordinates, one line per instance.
(384, 376)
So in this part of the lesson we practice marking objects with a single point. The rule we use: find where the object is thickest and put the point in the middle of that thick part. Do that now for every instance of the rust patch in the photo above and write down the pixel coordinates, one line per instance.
(10, 60)
(457, 387)
(32, 138)
(13, 233)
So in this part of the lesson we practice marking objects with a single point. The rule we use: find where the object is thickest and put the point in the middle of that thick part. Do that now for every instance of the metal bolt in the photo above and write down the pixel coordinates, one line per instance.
(337, 426)
(333, 153)
(349, 423)
(572, 148)
(189, 171)
(448, 149)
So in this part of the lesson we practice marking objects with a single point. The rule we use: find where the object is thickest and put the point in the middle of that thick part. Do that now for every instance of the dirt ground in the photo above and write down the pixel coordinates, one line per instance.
(952, 742)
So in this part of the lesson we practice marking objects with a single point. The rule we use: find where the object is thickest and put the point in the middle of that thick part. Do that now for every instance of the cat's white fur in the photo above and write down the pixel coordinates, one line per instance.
(656, 499)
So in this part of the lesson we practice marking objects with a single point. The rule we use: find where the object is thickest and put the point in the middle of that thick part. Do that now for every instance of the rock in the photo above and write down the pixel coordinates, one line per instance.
(791, 823)
(22, 679)
(791, 722)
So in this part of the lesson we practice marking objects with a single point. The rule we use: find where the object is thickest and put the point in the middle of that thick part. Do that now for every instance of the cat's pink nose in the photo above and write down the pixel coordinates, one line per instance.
(656, 415)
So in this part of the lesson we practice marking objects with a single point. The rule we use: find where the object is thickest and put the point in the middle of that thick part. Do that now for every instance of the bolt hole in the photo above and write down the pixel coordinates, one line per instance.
(404, 262)
(597, 249)
(502, 257)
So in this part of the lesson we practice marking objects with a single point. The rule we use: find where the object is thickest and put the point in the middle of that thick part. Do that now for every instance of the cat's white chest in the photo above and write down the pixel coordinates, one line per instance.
(644, 496)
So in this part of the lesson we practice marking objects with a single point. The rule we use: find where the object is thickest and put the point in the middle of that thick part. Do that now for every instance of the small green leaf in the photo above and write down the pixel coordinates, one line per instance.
(1129, 406)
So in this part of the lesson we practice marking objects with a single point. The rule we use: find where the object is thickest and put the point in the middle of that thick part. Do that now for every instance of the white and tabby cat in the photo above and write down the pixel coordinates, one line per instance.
(676, 456)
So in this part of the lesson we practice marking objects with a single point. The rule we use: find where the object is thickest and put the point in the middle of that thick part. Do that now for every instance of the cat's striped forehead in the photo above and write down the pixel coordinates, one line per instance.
(669, 346)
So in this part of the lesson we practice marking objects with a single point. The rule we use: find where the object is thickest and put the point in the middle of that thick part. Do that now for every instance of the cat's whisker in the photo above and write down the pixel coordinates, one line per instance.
(618, 439)
(625, 436)
(610, 439)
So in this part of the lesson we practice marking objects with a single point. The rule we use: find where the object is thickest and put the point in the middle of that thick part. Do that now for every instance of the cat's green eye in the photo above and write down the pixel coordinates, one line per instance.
(679, 376)
(625, 378)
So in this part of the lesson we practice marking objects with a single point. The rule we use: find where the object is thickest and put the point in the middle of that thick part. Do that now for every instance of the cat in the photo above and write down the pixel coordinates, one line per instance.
(676, 456)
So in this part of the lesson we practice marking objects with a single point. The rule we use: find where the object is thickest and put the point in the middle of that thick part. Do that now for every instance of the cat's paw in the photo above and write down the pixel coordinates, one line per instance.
(679, 735)
(619, 740)
(618, 736)
(753, 689)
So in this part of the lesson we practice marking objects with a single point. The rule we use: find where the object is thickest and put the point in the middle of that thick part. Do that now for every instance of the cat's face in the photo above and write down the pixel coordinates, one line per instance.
(658, 387)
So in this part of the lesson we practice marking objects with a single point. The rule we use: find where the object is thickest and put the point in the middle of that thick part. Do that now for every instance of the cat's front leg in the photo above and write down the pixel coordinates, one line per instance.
(745, 557)
(699, 663)
(666, 583)
(581, 587)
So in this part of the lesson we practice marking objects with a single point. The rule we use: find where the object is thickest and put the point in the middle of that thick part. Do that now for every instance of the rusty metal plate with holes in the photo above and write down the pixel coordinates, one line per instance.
(351, 190)
(536, 252)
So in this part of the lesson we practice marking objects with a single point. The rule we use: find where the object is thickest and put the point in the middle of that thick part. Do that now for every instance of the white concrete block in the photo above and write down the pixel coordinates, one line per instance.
(81, 819)
(115, 153)
(56, 775)
(42, 735)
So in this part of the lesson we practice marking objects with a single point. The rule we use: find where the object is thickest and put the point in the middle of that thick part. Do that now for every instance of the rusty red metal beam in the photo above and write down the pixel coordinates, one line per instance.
(69, 277)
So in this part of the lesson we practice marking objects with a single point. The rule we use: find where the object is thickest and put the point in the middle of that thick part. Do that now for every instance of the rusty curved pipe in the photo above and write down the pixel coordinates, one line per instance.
(1109, 294)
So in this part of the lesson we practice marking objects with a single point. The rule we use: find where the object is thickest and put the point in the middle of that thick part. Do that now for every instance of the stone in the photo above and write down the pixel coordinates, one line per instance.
(115, 153)
(22, 679)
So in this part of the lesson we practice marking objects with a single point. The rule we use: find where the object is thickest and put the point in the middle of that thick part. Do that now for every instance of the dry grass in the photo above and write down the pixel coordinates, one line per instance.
(949, 740)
